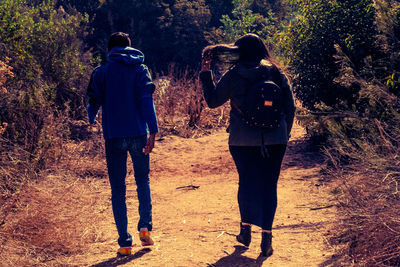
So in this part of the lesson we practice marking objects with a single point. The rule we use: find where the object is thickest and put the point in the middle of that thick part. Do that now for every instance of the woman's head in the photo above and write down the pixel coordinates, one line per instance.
(251, 48)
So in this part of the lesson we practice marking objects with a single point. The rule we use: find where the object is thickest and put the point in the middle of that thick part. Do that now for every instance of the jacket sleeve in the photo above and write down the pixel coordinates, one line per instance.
(95, 93)
(146, 90)
(215, 95)
(289, 105)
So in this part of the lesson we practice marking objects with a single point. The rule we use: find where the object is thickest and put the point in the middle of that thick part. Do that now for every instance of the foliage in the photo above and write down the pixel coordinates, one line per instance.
(243, 20)
(218, 8)
(180, 106)
(347, 76)
(354, 89)
(89, 6)
(369, 179)
(44, 48)
(344, 56)
(242, 23)
(5, 73)
(184, 38)
(161, 29)
(308, 44)
(388, 23)
(279, 7)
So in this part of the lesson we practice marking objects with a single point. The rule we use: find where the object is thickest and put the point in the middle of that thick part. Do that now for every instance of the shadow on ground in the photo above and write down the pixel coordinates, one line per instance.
(236, 259)
(116, 261)
(299, 154)
(333, 261)
(300, 225)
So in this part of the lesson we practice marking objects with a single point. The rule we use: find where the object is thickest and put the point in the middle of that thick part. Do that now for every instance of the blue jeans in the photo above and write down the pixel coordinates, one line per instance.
(116, 155)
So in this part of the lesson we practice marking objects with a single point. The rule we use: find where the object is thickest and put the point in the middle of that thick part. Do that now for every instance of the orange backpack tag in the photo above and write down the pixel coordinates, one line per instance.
(267, 103)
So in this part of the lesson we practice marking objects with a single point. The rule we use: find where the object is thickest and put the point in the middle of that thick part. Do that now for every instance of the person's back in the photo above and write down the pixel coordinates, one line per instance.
(124, 83)
(257, 151)
(123, 88)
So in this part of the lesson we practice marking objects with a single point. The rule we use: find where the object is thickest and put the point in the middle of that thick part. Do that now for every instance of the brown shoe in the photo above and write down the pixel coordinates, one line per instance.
(145, 237)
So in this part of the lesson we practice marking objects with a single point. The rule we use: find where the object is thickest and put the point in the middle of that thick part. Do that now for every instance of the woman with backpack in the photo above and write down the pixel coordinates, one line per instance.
(261, 118)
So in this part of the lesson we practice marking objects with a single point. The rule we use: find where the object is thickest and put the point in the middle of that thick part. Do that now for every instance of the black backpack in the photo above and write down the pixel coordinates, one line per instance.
(263, 105)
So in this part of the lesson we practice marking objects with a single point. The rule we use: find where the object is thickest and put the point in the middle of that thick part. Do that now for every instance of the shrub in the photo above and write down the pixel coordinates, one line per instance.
(181, 108)
(345, 57)
(355, 107)
(43, 48)
(308, 44)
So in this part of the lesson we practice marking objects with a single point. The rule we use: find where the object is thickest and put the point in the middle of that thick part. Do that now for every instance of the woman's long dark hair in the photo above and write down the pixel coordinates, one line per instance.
(249, 47)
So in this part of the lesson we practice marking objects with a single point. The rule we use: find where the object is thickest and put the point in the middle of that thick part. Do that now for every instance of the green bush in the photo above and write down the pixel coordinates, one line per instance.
(168, 32)
(345, 60)
(50, 69)
(44, 48)
(308, 44)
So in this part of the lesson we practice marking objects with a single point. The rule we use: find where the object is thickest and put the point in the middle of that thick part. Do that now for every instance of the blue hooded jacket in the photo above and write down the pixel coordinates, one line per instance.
(123, 88)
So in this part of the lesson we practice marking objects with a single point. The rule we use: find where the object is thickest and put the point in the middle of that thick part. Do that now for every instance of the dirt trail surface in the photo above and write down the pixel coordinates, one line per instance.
(196, 217)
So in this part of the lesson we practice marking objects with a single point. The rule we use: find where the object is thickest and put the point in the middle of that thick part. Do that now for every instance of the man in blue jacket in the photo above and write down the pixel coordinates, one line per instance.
(123, 89)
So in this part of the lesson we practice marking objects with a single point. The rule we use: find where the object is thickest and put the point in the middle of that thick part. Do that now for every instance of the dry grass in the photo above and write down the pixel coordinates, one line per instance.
(42, 219)
(181, 109)
(369, 194)
(370, 230)
(42, 193)
(362, 149)
(54, 148)
(50, 219)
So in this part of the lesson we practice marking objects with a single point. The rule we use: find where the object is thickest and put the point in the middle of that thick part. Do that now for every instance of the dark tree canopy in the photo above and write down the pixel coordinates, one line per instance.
(168, 32)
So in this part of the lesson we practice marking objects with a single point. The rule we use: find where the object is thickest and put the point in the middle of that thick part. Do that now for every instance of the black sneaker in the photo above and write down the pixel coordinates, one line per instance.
(245, 235)
(266, 244)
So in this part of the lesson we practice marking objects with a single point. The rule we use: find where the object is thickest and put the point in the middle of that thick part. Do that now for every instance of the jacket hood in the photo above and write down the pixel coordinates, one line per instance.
(253, 71)
(126, 55)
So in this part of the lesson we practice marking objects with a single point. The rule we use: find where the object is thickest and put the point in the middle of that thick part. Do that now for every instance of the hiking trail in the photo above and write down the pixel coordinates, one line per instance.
(196, 217)
(65, 219)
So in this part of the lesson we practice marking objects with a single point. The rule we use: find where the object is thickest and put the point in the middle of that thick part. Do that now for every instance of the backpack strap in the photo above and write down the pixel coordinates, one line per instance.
(253, 83)
(272, 74)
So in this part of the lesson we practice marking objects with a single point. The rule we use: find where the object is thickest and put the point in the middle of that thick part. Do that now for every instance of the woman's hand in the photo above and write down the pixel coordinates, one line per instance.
(206, 63)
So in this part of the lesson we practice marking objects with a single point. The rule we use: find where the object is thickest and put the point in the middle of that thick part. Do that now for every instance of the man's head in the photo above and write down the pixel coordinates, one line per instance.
(118, 39)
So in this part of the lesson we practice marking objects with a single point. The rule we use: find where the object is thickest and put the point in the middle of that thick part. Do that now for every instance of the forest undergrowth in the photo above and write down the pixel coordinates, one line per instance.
(76, 156)
(343, 57)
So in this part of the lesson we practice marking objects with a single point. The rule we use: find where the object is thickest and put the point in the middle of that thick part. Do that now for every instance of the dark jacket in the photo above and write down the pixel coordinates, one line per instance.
(123, 88)
(233, 85)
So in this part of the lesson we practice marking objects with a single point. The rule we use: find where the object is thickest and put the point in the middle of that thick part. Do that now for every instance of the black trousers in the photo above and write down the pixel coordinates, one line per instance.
(258, 178)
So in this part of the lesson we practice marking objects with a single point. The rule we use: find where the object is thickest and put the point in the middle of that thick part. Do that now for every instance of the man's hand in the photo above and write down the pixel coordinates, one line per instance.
(150, 144)
(95, 126)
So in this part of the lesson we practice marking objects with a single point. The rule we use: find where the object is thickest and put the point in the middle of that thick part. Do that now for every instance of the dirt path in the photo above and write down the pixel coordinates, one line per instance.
(197, 227)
